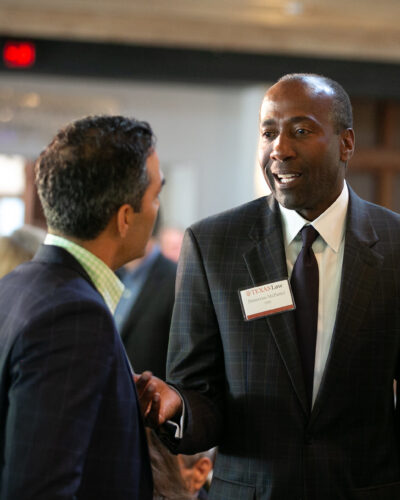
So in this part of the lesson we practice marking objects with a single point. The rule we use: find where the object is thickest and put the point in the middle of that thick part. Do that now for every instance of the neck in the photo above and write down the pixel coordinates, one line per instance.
(101, 246)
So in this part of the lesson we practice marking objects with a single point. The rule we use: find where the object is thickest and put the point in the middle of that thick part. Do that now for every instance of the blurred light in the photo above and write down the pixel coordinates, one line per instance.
(19, 54)
(12, 175)
(294, 8)
(12, 211)
(30, 100)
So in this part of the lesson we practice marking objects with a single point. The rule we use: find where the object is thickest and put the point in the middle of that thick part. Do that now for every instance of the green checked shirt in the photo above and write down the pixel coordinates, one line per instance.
(104, 279)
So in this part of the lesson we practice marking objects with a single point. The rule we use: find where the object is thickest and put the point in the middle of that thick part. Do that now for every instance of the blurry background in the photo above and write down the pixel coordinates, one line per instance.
(197, 71)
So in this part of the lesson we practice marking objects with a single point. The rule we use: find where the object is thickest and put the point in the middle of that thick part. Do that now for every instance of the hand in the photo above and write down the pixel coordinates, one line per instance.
(158, 402)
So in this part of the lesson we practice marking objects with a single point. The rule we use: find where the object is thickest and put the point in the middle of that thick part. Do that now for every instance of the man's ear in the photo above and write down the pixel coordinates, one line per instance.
(347, 142)
(201, 469)
(124, 219)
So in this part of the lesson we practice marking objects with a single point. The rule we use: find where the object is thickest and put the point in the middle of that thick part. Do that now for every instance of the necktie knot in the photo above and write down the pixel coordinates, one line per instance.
(308, 234)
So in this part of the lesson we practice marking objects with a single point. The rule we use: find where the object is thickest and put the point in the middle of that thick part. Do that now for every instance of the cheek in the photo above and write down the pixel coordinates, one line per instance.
(156, 207)
(152, 214)
(266, 171)
(269, 179)
(263, 156)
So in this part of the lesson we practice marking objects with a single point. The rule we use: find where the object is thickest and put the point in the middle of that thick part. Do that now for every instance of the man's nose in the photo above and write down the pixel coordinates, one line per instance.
(282, 148)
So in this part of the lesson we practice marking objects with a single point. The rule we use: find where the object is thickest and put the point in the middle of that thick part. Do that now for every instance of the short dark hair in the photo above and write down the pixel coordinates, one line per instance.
(342, 113)
(91, 168)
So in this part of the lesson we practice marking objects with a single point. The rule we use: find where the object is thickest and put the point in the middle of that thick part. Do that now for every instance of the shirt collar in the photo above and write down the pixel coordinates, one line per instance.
(330, 224)
(104, 279)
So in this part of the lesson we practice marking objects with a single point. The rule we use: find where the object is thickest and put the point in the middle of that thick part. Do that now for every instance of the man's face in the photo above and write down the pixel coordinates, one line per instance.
(300, 153)
(145, 219)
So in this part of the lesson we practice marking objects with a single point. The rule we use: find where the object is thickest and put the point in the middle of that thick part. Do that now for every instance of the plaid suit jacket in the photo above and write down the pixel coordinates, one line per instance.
(242, 381)
(70, 427)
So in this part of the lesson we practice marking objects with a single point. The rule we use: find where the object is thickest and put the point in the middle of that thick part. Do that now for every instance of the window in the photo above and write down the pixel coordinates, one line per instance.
(12, 187)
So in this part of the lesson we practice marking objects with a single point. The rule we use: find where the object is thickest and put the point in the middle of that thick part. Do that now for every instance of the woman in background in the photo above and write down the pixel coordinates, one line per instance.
(19, 247)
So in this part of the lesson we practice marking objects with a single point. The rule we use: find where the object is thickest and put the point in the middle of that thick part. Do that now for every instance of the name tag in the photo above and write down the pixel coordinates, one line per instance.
(264, 300)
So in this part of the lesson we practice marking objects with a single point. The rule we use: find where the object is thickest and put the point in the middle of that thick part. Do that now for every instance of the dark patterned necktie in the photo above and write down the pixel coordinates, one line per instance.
(305, 285)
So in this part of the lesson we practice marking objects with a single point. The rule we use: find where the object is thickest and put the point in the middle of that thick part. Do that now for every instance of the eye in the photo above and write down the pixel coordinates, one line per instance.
(302, 131)
(268, 134)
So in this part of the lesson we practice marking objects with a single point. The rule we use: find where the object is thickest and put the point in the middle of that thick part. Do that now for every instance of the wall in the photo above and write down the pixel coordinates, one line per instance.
(207, 135)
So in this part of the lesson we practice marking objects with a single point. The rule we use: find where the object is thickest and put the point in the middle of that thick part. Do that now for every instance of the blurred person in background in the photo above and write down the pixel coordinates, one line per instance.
(171, 239)
(143, 315)
(196, 471)
(70, 425)
(168, 481)
(20, 246)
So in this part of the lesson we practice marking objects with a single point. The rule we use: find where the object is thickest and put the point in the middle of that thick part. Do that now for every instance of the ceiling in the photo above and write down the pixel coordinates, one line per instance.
(349, 29)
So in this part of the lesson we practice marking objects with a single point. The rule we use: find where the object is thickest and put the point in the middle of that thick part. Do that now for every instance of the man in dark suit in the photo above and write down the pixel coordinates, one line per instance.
(70, 425)
(143, 315)
(246, 385)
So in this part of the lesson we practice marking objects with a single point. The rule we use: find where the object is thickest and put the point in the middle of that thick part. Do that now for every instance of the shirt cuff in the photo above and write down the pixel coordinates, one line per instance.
(176, 428)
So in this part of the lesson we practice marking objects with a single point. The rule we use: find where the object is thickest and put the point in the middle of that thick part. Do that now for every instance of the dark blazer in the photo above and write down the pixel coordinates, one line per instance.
(70, 426)
(242, 381)
(202, 494)
(145, 332)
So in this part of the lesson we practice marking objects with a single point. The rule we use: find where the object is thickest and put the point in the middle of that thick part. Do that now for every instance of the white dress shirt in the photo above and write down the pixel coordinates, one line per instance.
(328, 249)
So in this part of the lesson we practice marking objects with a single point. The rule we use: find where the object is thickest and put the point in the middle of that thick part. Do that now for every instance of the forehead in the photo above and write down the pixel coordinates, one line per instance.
(153, 170)
(152, 162)
(286, 99)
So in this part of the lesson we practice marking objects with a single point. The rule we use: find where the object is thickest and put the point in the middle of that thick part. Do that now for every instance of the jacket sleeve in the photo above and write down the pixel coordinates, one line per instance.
(195, 364)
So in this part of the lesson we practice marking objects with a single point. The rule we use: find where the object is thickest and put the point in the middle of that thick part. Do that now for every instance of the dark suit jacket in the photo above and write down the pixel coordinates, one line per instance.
(242, 381)
(202, 495)
(145, 332)
(70, 426)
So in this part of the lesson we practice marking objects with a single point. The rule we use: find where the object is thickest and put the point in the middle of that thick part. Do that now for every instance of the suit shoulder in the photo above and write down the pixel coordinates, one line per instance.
(380, 213)
(372, 223)
(381, 218)
(49, 287)
(244, 214)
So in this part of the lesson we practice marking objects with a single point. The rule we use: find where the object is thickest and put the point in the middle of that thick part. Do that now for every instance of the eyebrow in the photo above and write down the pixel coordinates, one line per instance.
(293, 119)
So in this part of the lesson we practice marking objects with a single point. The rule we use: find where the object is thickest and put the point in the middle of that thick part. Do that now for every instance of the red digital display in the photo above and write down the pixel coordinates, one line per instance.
(19, 54)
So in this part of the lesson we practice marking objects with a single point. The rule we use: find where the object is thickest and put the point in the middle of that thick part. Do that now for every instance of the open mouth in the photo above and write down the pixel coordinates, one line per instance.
(286, 178)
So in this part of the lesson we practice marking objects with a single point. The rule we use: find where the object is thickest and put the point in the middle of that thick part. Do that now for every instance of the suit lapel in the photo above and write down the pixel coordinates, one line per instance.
(266, 262)
(361, 265)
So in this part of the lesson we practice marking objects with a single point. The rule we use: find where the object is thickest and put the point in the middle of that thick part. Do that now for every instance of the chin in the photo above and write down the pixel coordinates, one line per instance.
(287, 202)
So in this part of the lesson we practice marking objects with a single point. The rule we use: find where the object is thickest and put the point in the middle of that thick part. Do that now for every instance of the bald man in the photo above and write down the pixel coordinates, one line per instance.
(297, 394)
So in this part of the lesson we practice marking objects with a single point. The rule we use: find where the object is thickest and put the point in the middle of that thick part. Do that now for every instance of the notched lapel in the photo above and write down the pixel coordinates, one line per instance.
(266, 263)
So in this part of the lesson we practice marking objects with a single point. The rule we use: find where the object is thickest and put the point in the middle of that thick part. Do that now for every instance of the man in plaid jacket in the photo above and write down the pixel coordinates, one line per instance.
(242, 384)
